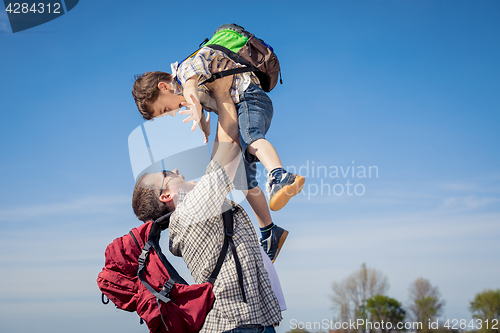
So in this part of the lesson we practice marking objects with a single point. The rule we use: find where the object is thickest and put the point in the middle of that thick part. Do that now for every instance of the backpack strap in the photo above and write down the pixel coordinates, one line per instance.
(164, 293)
(228, 218)
(233, 56)
(228, 72)
(153, 244)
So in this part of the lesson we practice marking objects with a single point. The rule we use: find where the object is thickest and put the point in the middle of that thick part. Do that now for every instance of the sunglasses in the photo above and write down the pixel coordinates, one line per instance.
(165, 175)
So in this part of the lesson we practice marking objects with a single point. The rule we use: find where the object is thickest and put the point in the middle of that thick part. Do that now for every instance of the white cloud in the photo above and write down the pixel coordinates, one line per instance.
(481, 184)
(459, 186)
(88, 205)
(468, 203)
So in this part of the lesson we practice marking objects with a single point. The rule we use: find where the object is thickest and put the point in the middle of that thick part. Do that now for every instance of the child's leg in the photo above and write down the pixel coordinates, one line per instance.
(266, 154)
(273, 236)
(255, 112)
(257, 200)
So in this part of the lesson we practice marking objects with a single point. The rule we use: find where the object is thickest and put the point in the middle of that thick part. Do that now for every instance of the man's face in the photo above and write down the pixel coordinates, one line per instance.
(167, 101)
(169, 181)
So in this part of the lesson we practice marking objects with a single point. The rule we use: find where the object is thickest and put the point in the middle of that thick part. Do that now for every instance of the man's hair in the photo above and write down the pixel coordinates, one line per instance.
(145, 90)
(146, 202)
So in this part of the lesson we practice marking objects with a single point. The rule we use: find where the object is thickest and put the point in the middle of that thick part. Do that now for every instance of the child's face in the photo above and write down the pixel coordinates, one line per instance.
(167, 101)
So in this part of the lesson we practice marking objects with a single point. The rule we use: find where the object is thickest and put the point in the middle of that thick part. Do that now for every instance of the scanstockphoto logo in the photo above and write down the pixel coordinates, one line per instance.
(25, 15)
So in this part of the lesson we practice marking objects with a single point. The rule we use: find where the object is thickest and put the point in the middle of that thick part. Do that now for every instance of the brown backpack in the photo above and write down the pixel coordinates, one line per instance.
(244, 48)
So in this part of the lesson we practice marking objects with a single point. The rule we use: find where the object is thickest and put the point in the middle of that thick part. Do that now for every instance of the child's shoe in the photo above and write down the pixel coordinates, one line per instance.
(272, 245)
(280, 191)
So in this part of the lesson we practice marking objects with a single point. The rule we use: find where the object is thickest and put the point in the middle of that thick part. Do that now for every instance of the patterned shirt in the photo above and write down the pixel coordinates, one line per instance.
(197, 234)
(200, 64)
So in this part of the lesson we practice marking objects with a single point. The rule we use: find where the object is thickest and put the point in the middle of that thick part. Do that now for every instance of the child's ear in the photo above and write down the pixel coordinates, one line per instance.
(162, 85)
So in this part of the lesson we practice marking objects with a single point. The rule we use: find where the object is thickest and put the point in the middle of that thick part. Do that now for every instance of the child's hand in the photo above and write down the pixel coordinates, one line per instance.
(194, 115)
(195, 110)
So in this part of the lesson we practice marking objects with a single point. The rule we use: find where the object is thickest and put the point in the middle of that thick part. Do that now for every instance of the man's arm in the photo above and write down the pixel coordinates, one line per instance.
(228, 117)
(227, 146)
(206, 199)
(227, 127)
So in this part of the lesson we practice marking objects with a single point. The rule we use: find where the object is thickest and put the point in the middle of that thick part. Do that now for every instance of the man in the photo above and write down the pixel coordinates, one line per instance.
(196, 231)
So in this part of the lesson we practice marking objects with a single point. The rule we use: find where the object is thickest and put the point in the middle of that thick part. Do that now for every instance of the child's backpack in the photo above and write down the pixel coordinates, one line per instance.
(138, 277)
(244, 48)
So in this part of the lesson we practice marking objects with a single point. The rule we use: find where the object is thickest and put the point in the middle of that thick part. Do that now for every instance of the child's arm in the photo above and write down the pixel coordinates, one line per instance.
(192, 97)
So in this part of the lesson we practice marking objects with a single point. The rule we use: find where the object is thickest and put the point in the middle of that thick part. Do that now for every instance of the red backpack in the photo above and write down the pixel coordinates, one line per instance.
(138, 277)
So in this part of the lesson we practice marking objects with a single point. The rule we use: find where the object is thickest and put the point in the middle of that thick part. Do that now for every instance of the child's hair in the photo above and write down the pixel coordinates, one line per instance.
(145, 90)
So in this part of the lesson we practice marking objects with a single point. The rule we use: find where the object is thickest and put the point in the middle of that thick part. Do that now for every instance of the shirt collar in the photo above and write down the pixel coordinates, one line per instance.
(175, 82)
(174, 66)
(181, 195)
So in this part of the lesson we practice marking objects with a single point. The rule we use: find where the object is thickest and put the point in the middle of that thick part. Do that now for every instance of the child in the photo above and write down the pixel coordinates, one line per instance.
(156, 93)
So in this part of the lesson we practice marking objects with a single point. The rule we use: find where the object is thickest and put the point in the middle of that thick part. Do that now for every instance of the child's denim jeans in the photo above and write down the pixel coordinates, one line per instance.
(255, 112)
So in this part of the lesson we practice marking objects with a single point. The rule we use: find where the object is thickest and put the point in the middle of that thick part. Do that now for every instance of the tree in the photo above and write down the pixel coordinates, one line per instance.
(486, 306)
(426, 303)
(384, 309)
(351, 293)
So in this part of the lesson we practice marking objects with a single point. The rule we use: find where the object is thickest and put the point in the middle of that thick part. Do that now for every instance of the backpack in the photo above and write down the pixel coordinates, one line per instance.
(137, 277)
(244, 48)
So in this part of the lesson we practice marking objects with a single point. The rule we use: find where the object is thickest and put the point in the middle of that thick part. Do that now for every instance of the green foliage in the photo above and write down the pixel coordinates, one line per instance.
(486, 306)
(427, 306)
(426, 303)
(383, 308)
(351, 294)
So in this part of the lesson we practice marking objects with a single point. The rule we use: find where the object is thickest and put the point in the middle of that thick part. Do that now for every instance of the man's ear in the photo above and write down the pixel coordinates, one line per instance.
(166, 197)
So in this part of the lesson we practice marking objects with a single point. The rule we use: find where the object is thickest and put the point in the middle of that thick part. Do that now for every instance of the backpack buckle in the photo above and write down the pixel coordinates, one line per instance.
(143, 257)
(167, 288)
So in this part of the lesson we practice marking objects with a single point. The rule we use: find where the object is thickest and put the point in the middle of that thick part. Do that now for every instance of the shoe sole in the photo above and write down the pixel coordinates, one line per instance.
(281, 198)
(280, 244)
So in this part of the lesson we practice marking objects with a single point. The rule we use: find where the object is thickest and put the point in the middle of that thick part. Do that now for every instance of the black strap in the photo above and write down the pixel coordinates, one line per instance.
(228, 219)
(228, 72)
(135, 239)
(203, 43)
(220, 260)
(153, 243)
(164, 293)
(231, 55)
(234, 57)
(228, 222)
(103, 300)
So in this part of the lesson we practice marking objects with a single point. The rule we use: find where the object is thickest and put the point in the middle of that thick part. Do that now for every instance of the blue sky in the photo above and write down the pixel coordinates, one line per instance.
(408, 87)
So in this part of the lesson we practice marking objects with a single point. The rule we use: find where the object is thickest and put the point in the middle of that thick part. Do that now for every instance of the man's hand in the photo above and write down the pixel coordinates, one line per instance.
(221, 86)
